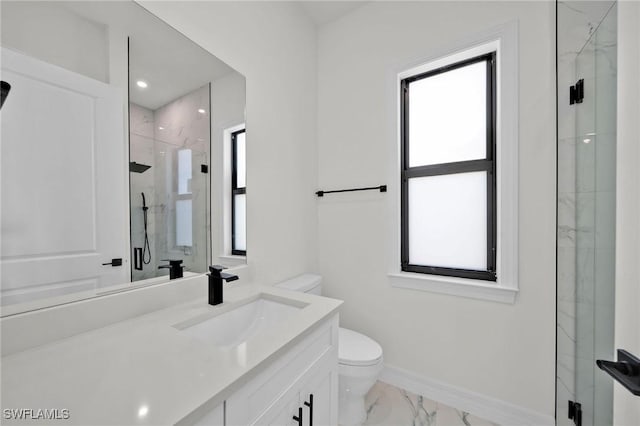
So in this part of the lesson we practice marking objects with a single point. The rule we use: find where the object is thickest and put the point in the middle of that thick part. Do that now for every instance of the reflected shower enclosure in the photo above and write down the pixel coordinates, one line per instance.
(129, 163)
(169, 183)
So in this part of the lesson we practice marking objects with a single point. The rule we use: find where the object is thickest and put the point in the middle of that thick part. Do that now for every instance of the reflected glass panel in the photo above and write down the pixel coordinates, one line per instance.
(172, 141)
(184, 171)
(184, 223)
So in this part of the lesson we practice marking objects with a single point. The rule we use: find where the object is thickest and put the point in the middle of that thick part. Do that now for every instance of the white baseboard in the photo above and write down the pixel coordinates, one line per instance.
(494, 410)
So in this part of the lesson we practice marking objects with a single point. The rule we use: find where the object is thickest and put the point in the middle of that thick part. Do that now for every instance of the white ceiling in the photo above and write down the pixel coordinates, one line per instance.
(322, 12)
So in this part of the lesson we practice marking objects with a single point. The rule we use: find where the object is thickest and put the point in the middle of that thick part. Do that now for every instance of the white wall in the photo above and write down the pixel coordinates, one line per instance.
(626, 409)
(273, 45)
(53, 34)
(228, 96)
(500, 350)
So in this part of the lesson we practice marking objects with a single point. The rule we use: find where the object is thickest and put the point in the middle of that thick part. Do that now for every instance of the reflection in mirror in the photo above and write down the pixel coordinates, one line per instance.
(169, 150)
(71, 169)
(168, 188)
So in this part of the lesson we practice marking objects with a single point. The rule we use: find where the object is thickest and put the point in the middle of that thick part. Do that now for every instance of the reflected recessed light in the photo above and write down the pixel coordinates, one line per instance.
(160, 128)
(142, 84)
(586, 140)
(143, 411)
(201, 111)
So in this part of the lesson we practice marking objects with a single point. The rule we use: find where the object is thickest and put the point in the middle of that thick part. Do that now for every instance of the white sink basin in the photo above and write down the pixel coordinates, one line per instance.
(241, 321)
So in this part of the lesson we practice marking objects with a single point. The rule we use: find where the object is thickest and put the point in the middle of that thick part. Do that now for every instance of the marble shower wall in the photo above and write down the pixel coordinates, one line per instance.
(183, 125)
(159, 138)
(586, 208)
(142, 151)
(390, 406)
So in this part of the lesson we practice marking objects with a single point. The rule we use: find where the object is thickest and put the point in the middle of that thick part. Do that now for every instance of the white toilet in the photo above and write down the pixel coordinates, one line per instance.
(359, 358)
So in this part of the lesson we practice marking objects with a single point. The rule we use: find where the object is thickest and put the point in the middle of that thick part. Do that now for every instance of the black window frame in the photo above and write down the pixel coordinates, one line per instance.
(487, 164)
(235, 190)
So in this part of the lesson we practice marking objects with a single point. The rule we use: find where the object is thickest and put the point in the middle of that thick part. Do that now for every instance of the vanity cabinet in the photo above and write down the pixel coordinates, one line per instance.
(302, 380)
(214, 417)
(309, 402)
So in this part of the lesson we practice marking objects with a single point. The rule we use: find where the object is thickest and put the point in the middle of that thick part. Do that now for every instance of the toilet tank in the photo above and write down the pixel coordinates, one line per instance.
(306, 283)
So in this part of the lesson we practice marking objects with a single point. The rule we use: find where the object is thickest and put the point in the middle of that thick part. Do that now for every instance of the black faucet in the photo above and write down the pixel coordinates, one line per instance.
(175, 268)
(216, 276)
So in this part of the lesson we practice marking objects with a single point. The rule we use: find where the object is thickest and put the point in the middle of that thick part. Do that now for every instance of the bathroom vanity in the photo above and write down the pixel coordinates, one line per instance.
(264, 356)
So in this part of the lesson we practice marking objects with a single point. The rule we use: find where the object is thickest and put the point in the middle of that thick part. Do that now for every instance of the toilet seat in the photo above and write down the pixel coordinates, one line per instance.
(357, 349)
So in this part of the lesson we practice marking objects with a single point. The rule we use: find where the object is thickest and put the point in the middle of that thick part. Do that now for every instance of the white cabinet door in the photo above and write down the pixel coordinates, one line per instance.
(63, 182)
(261, 393)
(274, 396)
(319, 395)
(281, 413)
(313, 397)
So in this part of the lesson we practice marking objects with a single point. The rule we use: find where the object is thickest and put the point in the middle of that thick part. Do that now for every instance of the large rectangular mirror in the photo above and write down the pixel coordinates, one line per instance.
(122, 153)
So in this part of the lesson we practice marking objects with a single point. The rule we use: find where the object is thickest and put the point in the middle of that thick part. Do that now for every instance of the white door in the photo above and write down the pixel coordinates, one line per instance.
(626, 407)
(63, 183)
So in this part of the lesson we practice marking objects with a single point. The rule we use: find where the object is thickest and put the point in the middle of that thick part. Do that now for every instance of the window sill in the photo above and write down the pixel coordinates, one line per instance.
(231, 260)
(473, 289)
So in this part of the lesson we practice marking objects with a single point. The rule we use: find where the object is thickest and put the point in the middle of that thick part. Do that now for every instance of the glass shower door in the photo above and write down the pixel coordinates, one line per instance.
(586, 231)
(170, 185)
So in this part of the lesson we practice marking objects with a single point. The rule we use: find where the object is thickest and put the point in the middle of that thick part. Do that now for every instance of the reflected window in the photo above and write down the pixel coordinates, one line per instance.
(184, 223)
(238, 193)
(184, 171)
(448, 170)
(184, 200)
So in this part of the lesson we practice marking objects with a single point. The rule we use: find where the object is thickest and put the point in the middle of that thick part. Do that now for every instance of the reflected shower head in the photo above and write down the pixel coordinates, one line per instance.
(137, 167)
(4, 91)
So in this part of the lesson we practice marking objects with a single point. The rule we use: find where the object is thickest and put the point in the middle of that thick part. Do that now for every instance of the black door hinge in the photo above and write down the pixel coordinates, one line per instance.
(576, 93)
(575, 412)
(204, 168)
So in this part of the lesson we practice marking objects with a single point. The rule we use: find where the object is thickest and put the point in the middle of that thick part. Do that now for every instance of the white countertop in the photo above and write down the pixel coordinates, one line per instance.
(146, 371)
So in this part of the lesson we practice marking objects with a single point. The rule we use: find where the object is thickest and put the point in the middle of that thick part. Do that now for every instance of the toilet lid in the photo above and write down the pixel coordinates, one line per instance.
(357, 349)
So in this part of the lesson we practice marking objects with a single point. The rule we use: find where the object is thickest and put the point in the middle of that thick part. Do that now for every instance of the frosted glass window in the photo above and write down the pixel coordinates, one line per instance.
(448, 221)
(184, 223)
(240, 222)
(238, 191)
(184, 171)
(241, 160)
(449, 171)
(448, 116)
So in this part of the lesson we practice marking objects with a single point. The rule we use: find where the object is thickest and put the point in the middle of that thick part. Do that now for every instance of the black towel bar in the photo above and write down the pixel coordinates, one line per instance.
(382, 188)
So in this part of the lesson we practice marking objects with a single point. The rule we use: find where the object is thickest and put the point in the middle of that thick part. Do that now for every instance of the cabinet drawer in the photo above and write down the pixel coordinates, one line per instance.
(244, 406)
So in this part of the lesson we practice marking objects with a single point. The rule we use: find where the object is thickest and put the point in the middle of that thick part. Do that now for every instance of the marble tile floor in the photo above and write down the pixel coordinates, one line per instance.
(390, 406)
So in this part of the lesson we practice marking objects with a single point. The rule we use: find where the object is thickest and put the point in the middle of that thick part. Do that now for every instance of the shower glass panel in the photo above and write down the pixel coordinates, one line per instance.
(586, 210)
(170, 220)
